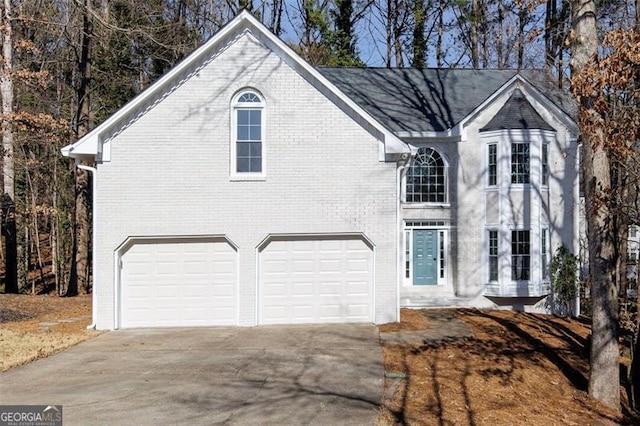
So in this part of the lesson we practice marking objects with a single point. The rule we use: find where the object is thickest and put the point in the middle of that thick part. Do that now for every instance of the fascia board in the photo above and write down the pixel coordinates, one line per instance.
(531, 90)
(85, 147)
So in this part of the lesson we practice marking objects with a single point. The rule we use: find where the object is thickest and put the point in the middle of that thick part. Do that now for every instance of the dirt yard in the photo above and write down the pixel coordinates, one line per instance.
(33, 327)
(514, 369)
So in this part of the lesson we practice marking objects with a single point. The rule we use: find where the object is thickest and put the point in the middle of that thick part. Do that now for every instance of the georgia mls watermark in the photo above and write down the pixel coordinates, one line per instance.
(30, 415)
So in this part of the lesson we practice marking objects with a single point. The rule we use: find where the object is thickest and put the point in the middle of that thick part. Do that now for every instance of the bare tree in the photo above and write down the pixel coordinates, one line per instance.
(8, 207)
(79, 276)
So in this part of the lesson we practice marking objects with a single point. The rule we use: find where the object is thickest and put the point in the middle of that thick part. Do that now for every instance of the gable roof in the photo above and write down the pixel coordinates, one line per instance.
(92, 145)
(389, 103)
(431, 100)
(517, 113)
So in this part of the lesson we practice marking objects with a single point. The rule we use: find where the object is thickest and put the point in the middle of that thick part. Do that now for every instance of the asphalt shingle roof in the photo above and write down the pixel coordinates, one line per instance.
(413, 100)
(517, 113)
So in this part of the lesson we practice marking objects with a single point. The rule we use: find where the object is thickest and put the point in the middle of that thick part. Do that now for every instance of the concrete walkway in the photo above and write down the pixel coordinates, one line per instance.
(277, 375)
(443, 326)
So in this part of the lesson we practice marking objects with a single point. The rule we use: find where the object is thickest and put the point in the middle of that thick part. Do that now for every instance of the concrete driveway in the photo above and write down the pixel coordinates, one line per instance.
(263, 375)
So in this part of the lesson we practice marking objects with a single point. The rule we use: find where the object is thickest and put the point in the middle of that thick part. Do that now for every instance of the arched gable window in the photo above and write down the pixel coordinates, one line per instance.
(248, 133)
(426, 178)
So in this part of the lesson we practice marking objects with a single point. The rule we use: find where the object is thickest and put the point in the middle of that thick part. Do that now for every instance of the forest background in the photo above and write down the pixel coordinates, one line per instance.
(68, 65)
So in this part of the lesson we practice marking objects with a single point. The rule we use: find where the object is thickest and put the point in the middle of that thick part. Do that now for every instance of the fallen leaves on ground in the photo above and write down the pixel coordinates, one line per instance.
(517, 369)
(33, 327)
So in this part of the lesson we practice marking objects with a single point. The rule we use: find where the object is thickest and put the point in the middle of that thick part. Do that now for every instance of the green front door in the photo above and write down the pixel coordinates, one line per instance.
(425, 257)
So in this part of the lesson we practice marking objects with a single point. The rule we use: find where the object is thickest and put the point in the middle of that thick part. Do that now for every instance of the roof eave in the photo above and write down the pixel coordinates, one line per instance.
(85, 148)
(89, 145)
(530, 89)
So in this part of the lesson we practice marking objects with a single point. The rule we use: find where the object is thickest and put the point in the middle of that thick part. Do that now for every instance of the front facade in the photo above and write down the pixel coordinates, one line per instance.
(246, 188)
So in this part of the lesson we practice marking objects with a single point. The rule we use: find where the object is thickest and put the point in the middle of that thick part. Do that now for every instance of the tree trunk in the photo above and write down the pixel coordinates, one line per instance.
(419, 42)
(499, 42)
(475, 17)
(604, 380)
(441, 8)
(79, 274)
(522, 21)
(8, 211)
(549, 33)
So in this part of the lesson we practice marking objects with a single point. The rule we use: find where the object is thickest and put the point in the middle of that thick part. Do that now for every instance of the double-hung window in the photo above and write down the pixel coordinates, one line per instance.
(520, 162)
(520, 256)
(493, 255)
(545, 164)
(544, 253)
(493, 164)
(248, 143)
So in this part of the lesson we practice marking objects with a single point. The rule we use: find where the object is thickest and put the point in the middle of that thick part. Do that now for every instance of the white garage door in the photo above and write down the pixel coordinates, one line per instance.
(316, 281)
(179, 284)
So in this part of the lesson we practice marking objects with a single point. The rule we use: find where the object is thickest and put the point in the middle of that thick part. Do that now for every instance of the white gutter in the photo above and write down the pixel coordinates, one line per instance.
(94, 304)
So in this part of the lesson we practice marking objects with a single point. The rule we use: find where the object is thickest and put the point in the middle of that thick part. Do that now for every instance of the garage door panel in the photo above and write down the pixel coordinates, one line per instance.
(329, 289)
(316, 281)
(171, 284)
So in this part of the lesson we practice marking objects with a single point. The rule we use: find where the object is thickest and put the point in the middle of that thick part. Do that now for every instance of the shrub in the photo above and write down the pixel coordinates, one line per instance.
(564, 278)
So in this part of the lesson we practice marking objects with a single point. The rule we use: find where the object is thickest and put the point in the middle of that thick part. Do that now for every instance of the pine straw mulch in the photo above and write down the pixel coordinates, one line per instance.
(517, 369)
(33, 327)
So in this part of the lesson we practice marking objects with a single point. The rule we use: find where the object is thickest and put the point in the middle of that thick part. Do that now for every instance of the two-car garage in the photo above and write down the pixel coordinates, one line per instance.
(196, 281)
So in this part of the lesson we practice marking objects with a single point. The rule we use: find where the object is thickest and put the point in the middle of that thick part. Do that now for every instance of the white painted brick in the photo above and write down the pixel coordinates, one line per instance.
(169, 175)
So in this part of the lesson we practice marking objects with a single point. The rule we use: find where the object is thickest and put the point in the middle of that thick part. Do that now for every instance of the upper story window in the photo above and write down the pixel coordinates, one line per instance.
(545, 164)
(426, 178)
(520, 162)
(248, 134)
(493, 164)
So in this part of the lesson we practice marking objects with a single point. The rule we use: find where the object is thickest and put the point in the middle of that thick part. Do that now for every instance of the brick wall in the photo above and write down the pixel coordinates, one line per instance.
(169, 175)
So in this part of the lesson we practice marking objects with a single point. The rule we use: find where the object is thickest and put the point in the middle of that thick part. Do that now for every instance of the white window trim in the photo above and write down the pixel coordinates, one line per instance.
(505, 286)
(532, 179)
(503, 139)
(545, 251)
(234, 175)
(545, 145)
(421, 205)
(487, 254)
(533, 264)
(443, 228)
(496, 144)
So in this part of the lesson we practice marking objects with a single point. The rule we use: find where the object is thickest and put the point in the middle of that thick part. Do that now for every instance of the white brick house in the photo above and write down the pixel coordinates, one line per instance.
(246, 187)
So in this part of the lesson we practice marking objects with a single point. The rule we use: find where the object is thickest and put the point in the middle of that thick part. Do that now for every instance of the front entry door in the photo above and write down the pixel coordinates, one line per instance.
(425, 257)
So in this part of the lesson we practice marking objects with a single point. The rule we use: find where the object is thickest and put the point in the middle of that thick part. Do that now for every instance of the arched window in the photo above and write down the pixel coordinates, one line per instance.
(426, 178)
(248, 125)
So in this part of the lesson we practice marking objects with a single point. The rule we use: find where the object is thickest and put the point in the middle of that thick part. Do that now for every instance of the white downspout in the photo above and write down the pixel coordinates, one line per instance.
(400, 274)
(94, 303)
